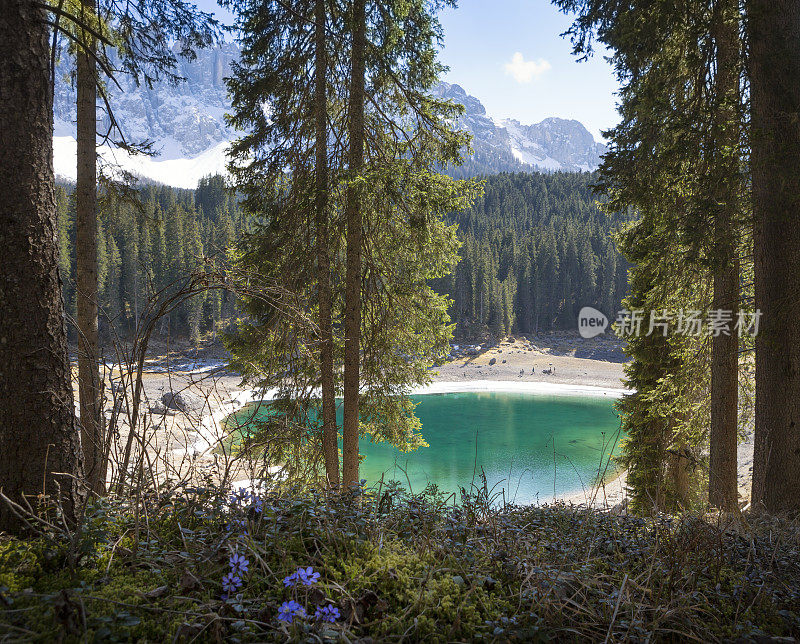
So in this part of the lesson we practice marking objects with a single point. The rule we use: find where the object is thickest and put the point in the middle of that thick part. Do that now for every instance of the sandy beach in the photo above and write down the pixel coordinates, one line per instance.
(557, 358)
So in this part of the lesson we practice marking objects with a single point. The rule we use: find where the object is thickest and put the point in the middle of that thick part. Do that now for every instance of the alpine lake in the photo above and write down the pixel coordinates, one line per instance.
(530, 447)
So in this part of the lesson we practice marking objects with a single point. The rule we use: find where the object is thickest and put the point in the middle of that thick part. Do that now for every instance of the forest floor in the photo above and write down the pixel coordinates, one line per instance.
(205, 566)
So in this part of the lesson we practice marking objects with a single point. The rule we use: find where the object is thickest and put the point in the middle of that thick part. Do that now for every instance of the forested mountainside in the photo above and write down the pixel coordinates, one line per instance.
(535, 249)
(150, 245)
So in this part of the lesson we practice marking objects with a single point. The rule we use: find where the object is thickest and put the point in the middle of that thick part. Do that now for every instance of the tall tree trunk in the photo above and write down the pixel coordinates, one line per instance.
(678, 469)
(352, 318)
(722, 481)
(330, 443)
(774, 35)
(86, 264)
(39, 446)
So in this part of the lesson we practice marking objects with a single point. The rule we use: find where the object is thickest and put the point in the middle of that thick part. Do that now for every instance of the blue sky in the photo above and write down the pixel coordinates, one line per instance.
(510, 55)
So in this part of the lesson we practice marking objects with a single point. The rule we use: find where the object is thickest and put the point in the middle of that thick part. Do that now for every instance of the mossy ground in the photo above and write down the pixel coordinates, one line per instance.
(397, 568)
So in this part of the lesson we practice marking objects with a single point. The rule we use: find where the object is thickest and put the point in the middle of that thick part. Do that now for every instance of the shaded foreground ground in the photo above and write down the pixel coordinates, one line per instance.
(396, 568)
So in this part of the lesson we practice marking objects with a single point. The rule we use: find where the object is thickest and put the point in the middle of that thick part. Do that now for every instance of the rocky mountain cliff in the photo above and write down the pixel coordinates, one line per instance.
(183, 120)
(187, 126)
(507, 145)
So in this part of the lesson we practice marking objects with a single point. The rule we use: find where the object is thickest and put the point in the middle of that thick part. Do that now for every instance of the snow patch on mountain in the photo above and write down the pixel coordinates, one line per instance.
(186, 123)
(526, 150)
(178, 172)
(551, 145)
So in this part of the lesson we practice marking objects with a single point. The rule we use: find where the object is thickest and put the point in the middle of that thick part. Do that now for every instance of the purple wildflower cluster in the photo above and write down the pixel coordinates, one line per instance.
(327, 613)
(304, 576)
(247, 500)
(291, 609)
(244, 502)
(232, 581)
(239, 565)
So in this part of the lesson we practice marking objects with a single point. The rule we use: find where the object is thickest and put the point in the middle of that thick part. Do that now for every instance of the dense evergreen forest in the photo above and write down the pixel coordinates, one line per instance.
(535, 248)
(148, 243)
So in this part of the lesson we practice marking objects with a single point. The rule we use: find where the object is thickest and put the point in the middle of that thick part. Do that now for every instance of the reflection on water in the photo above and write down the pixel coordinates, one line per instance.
(529, 445)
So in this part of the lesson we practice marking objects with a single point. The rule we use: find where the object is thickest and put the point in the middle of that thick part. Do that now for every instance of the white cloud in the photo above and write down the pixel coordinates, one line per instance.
(524, 71)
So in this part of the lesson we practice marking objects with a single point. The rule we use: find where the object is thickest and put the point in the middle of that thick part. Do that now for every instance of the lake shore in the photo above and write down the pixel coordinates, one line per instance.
(563, 359)
(553, 364)
(549, 364)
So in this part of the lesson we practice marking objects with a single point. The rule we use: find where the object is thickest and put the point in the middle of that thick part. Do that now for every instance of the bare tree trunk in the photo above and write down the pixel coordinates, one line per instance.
(774, 35)
(39, 446)
(678, 468)
(86, 264)
(722, 480)
(352, 318)
(723, 464)
(330, 432)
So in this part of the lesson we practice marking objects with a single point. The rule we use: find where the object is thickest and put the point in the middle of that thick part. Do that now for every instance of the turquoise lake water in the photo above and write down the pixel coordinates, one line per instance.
(511, 436)
(530, 445)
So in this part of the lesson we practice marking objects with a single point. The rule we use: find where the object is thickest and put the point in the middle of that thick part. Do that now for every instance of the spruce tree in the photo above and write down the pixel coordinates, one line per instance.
(353, 235)
(39, 442)
(674, 158)
(89, 389)
(140, 33)
(773, 29)
(330, 431)
(725, 189)
(390, 198)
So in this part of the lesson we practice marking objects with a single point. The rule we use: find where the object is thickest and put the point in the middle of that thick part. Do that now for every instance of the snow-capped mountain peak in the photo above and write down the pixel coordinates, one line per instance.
(187, 125)
(506, 144)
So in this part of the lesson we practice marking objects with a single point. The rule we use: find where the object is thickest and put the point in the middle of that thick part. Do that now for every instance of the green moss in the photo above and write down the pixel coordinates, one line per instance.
(413, 568)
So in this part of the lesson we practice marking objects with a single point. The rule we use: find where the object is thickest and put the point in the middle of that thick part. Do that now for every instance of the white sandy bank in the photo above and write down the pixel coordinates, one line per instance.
(506, 386)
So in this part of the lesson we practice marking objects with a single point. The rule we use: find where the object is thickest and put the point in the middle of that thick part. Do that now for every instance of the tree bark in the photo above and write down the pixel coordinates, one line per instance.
(86, 264)
(39, 445)
(352, 319)
(330, 432)
(774, 35)
(723, 463)
(723, 470)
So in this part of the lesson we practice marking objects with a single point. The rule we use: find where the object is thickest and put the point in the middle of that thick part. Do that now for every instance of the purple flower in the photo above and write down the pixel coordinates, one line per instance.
(327, 613)
(307, 576)
(240, 496)
(289, 610)
(241, 524)
(231, 582)
(239, 564)
(244, 499)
